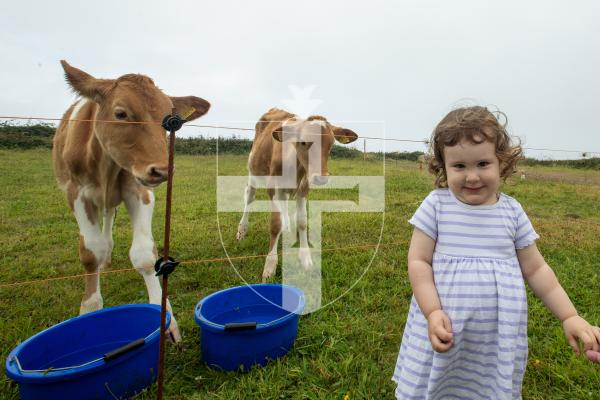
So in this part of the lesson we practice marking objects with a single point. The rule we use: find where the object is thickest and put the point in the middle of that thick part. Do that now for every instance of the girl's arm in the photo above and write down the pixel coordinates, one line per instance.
(545, 285)
(420, 273)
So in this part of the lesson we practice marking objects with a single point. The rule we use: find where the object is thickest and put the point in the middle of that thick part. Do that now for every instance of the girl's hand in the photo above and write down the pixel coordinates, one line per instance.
(440, 331)
(577, 328)
(593, 356)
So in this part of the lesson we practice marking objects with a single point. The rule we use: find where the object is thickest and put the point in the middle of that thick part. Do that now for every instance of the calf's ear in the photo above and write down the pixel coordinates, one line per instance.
(86, 85)
(190, 107)
(278, 134)
(343, 135)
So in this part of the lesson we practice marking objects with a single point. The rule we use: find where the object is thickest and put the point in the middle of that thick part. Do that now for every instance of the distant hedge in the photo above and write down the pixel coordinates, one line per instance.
(26, 136)
(583, 163)
(40, 135)
(236, 145)
(208, 146)
(403, 155)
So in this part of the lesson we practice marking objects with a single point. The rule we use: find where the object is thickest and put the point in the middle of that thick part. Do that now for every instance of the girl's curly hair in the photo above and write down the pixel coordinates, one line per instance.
(477, 125)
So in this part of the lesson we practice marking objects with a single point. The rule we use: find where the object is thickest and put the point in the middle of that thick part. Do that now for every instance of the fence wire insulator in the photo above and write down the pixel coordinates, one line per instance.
(172, 123)
(163, 267)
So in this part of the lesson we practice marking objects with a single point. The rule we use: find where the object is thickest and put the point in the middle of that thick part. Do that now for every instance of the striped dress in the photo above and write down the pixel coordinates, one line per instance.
(481, 288)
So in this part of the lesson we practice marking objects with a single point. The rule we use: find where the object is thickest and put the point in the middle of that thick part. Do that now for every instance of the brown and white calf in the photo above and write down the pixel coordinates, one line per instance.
(118, 155)
(292, 153)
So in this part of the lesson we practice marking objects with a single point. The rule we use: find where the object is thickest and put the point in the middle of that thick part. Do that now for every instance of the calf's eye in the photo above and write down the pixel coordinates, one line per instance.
(120, 114)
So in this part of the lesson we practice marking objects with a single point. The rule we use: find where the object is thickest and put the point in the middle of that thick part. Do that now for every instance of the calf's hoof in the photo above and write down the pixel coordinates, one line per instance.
(241, 233)
(305, 259)
(173, 332)
(94, 303)
(270, 268)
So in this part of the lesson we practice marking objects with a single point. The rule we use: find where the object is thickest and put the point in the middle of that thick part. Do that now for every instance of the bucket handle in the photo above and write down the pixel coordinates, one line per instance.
(240, 326)
(111, 356)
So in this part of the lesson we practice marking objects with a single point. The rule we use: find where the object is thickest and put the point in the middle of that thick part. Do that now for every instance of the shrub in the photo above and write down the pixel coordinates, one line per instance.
(26, 136)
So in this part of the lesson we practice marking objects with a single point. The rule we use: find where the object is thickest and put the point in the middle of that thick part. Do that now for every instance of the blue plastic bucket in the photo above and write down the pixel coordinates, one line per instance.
(107, 354)
(246, 325)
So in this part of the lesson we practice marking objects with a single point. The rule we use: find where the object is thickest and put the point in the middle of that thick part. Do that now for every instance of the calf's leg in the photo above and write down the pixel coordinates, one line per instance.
(249, 195)
(94, 249)
(274, 232)
(143, 255)
(302, 224)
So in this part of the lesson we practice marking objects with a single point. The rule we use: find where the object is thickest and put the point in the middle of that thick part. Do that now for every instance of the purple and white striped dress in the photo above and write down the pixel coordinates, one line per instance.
(481, 288)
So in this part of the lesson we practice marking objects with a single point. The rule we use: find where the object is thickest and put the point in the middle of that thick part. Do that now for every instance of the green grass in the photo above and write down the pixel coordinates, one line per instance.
(349, 347)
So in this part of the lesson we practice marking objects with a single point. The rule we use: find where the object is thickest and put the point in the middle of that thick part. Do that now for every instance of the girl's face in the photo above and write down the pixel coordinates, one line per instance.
(473, 172)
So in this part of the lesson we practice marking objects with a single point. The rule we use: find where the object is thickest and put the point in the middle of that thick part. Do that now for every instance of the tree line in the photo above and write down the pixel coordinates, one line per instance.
(29, 136)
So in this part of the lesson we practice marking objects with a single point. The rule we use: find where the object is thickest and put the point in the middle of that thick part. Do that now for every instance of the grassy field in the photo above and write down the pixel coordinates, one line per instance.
(348, 348)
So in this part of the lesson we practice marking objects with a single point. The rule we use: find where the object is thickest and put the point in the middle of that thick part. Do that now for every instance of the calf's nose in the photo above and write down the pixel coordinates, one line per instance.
(157, 173)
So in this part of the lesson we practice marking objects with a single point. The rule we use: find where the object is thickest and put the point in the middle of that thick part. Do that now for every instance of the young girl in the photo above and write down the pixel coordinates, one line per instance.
(471, 250)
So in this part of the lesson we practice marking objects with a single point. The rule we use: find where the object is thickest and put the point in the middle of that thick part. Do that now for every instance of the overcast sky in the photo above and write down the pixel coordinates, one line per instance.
(406, 63)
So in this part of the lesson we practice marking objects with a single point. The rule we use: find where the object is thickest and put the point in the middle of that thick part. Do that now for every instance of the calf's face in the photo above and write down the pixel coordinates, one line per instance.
(313, 139)
(127, 125)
